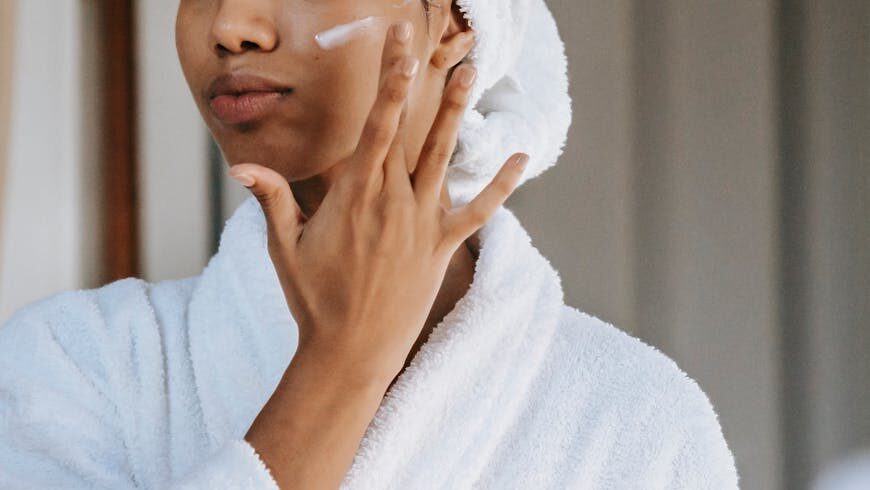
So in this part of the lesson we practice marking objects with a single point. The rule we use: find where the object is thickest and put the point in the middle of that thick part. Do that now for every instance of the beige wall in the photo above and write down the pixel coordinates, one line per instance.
(827, 143)
(661, 214)
(712, 200)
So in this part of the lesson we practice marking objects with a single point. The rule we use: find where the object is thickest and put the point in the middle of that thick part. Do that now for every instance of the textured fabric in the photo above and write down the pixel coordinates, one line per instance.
(235, 465)
(154, 385)
(519, 101)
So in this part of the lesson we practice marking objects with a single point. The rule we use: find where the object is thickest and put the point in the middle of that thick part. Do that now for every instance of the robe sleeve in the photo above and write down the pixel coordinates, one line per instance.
(689, 449)
(704, 459)
(60, 418)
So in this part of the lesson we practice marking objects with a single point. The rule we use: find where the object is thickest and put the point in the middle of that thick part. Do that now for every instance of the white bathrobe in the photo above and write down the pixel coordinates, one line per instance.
(154, 385)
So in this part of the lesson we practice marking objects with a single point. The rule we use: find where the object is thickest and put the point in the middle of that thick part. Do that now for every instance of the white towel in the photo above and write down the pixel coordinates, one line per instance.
(139, 385)
(519, 101)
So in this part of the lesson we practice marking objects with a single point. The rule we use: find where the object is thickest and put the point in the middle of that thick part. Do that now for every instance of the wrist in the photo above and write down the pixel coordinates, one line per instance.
(364, 375)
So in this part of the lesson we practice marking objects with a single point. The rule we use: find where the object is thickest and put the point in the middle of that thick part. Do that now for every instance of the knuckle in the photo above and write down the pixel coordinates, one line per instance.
(269, 200)
(442, 153)
(382, 135)
(378, 133)
(428, 147)
(453, 103)
(437, 151)
(392, 63)
(394, 92)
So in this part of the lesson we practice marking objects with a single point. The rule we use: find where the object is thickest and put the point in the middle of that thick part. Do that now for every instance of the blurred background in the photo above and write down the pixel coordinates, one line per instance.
(713, 199)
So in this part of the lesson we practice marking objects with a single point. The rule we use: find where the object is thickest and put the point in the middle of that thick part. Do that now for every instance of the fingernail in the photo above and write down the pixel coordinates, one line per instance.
(467, 75)
(409, 66)
(402, 31)
(243, 178)
(521, 161)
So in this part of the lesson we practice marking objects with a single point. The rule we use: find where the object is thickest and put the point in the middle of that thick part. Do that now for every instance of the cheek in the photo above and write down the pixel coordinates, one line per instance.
(346, 83)
(187, 54)
(344, 106)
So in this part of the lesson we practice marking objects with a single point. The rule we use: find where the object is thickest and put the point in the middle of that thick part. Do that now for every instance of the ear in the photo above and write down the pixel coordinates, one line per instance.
(456, 36)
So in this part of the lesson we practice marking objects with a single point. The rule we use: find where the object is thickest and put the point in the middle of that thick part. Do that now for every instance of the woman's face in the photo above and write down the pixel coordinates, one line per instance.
(325, 95)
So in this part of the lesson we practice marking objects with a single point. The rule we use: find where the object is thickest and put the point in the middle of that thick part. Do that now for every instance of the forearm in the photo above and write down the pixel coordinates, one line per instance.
(310, 429)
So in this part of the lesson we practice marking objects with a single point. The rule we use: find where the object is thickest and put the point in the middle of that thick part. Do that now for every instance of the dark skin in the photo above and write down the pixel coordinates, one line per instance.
(270, 143)
(350, 173)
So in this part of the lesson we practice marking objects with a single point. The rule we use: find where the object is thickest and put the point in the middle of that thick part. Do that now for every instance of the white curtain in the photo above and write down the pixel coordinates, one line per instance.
(49, 209)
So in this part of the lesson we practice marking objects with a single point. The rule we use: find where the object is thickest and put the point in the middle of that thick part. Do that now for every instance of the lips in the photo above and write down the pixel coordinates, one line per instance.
(238, 98)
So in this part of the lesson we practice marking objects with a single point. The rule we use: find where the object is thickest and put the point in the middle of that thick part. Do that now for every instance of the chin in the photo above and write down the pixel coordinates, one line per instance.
(297, 153)
(275, 158)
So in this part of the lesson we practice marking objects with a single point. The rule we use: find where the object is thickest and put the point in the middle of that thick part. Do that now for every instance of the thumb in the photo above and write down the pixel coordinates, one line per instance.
(284, 217)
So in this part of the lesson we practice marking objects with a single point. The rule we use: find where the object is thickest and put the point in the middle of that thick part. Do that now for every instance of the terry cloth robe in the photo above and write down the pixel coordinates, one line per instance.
(154, 385)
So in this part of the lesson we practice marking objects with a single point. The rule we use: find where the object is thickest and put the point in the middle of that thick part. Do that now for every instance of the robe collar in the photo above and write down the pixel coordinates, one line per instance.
(464, 384)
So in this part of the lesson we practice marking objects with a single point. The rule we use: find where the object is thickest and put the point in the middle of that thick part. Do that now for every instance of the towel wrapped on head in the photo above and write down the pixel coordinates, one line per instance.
(520, 100)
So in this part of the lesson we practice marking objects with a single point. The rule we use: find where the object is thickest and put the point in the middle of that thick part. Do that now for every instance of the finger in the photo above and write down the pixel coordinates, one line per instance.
(397, 179)
(398, 69)
(284, 217)
(466, 219)
(392, 53)
(397, 45)
(428, 176)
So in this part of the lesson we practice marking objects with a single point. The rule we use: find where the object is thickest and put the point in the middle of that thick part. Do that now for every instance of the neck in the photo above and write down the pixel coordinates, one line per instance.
(309, 193)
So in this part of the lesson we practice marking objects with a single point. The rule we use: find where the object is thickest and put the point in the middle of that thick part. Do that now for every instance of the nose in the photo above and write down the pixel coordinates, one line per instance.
(243, 25)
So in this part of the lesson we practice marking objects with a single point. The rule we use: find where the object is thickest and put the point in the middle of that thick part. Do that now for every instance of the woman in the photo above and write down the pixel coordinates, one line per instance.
(374, 317)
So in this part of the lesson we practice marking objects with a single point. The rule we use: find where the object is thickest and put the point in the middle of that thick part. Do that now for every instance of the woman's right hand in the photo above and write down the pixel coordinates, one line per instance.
(361, 275)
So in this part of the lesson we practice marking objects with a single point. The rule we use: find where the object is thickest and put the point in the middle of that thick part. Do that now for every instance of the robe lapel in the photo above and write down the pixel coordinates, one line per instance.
(441, 419)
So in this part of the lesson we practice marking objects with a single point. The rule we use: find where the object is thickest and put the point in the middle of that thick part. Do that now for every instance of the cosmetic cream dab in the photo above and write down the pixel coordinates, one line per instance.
(342, 33)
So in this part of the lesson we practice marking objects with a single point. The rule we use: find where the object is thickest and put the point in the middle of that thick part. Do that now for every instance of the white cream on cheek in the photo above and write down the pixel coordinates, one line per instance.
(342, 33)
